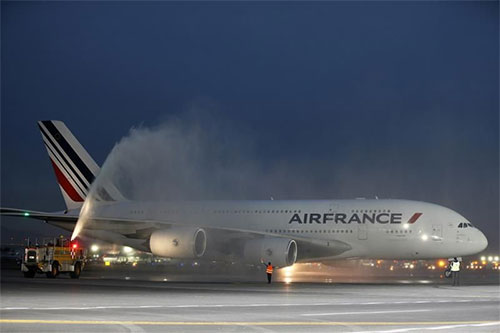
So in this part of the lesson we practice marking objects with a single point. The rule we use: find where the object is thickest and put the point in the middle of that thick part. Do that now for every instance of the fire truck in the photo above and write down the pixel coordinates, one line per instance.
(54, 258)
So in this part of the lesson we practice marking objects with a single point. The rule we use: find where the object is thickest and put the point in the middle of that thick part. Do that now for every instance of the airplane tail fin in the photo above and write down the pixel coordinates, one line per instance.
(75, 169)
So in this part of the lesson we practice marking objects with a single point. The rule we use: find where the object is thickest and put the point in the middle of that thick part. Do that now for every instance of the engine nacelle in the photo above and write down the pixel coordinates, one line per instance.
(280, 252)
(178, 242)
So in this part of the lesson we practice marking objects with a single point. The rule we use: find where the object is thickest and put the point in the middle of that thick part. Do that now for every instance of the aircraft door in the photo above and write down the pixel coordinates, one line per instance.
(437, 232)
(362, 232)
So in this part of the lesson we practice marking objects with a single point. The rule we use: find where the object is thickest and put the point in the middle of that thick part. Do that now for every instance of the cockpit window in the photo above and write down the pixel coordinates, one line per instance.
(465, 225)
(461, 225)
(470, 225)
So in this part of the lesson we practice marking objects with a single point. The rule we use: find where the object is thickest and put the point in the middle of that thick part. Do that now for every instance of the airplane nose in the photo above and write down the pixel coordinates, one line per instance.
(482, 241)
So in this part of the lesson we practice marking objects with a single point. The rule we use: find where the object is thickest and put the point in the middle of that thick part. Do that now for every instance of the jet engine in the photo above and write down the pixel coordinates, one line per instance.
(280, 252)
(178, 242)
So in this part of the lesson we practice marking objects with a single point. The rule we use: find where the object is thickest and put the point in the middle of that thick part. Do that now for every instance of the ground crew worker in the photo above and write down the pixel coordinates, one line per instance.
(269, 271)
(455, 272)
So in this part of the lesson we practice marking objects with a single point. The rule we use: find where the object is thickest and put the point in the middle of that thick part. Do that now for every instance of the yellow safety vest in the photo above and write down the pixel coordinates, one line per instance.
(455, 266)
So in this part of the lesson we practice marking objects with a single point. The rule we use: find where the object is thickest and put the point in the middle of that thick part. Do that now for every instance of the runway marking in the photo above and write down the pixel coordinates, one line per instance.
(372, 303)
(241, 323)
(362, 312)
(420, 329)
(447, 327)
(231, 305)
(487, 324)
(150, 306)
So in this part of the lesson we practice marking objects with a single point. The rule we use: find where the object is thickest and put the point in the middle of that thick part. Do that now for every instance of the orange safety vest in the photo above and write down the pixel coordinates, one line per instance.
(269, 269)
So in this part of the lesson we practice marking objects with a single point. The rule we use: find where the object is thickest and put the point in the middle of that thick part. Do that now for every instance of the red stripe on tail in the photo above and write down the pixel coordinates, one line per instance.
(65, 184)
(414, 218)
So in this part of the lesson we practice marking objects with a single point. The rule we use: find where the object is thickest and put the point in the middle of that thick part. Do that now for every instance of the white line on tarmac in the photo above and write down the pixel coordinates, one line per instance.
(361, 312)
(421, 328)
(488, 324)
(446, 327)
(231, 305)
(372, 303)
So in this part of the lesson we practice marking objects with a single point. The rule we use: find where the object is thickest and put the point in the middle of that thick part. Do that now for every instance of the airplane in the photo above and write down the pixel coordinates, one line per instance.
(279, 231)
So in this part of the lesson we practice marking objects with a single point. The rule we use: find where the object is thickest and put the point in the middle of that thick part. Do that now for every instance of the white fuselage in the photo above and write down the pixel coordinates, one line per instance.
(385, 229)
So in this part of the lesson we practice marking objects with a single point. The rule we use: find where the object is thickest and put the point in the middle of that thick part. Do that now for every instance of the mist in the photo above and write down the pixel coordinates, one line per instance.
(201, 155)
(193, 156)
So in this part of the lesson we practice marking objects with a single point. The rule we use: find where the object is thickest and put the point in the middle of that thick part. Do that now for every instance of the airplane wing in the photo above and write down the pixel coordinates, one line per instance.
(46, 216)
(136, 233)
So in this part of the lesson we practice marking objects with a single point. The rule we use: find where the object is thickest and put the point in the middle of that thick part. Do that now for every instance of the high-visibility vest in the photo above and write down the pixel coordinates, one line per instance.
(269, 269)
(455, 266)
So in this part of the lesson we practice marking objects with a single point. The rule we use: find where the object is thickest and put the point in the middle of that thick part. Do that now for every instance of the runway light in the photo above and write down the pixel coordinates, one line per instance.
(94, 248)
(483, 258)
(496, 258)
(490, 258)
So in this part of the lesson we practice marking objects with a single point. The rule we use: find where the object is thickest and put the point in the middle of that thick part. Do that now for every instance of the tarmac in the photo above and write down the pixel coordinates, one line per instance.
(122, 303)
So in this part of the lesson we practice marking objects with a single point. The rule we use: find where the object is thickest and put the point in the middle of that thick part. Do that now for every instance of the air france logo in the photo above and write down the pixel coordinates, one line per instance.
(382, 218)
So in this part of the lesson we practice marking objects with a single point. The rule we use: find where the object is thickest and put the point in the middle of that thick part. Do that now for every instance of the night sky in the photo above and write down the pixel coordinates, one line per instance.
(355, 99)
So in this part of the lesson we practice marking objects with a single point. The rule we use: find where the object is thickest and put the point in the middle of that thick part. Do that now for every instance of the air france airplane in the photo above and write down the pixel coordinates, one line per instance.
(280, 231)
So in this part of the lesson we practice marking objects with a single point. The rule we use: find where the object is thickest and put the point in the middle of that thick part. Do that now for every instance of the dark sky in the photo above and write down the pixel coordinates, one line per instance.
(398, 100)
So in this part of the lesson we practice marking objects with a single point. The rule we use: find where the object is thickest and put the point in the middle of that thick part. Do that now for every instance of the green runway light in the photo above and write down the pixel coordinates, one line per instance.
(26, 214)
